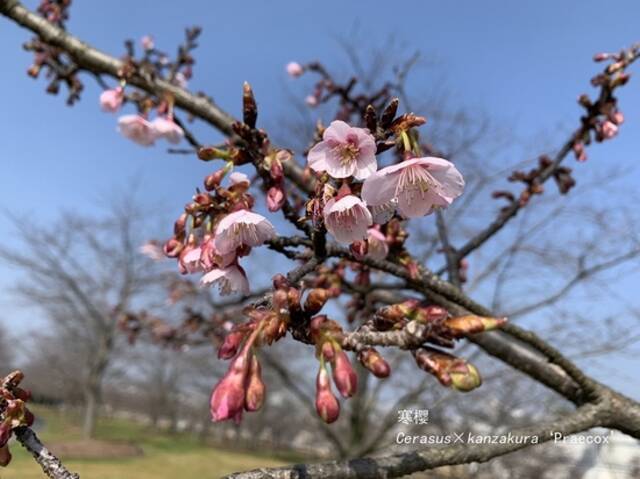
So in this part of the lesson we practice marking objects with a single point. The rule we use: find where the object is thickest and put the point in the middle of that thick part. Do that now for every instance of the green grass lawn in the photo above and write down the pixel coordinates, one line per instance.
(164, 455)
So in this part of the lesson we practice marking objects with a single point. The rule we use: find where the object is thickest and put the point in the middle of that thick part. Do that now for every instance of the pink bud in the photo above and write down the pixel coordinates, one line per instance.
(311, 100)
(228, 396)
(371, 359)
(609, 129)
(294, 69)
(600, 57)
(275, 198)
(111, 100)
(617, 118)
(230, 345)
(326, 403)
(254, 397)
(344, 375)
(173, 247)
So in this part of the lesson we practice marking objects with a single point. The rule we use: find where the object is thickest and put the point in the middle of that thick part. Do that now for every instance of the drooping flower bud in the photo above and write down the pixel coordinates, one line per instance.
(374, 362)
(326, 402)
(255, 394)
(316, 300)
(111, 100)
(228, 396)
(344, 375)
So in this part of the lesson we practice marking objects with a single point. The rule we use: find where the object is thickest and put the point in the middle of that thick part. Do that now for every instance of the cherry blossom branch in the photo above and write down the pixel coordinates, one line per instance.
(399, 465)
(51, 465)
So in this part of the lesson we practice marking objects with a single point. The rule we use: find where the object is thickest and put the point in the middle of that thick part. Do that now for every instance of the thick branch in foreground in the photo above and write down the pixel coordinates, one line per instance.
(399, 465)
(50, 464)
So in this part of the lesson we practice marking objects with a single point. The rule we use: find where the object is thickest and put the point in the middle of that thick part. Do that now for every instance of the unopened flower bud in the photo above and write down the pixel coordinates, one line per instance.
(311, 100)
(470, 324)
(316, 300)
(173, 247)
(228, 396)
(344, 375)
(229, 347)
(465, 377)
(327, 351)
(294, 69)
(374, 362)
(249, 106)
(600, 57)
(203, 199)
(255, 394)
(293, 299)
(275, 198)
(214, 180)
(326, 403)
(448, 369)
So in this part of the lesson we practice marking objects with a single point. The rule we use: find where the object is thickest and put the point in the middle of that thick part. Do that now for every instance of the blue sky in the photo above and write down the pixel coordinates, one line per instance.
(524, 62)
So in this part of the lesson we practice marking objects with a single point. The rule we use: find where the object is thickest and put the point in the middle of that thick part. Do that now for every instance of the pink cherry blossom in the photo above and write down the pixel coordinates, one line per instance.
(347, 219)
(210, 258)
(138, 129)
(111, 100)
(378, 247)
(231, 279)
(345, 151)
(167, 129)
(242, 227)
(419, 185)
(294, 69)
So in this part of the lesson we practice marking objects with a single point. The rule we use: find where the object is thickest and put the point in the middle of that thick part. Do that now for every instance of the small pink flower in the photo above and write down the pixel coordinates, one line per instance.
(345, 151)
(419, 184)
(242, 228)
(111, 100)
(231, 279)
(167, 129)
(609, 130)
(347, 219)
(147, 42)
(378, 247)
(153, 250)
(138, 129)
(311, 100)
(294, 69)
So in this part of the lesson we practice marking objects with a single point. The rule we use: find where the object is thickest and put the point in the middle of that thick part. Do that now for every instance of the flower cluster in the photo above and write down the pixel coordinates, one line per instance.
(414, 187)
(216, 230)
